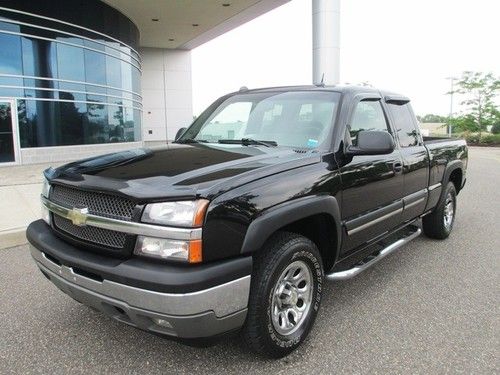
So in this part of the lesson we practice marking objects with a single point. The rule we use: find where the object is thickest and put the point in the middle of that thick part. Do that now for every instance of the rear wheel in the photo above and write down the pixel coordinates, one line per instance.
(285, 295)
(439, 223)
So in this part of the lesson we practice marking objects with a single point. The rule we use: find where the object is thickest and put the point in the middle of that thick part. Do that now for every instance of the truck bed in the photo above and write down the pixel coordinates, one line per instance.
(429, 140)
(442, 151)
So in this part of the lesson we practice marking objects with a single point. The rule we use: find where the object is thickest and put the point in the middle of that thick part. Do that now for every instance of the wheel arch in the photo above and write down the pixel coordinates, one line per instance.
(454, 173)
(315, 217)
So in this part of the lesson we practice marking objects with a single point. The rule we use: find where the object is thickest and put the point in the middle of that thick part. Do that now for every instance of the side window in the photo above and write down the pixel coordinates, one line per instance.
(404, 124)
(368, 115)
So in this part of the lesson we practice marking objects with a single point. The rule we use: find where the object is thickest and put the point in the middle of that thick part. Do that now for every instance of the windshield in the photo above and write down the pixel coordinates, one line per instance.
(299, 119)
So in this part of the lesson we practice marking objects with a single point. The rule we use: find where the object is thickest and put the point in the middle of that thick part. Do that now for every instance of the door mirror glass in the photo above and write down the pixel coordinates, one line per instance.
(372, 142)
(180, 132)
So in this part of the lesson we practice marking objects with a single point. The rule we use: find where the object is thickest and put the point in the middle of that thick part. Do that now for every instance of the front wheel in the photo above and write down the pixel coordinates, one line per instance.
(285, 295)
(439, 223)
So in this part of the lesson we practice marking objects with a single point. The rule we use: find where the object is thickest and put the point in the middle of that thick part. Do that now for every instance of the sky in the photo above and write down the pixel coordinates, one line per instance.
(406, 46)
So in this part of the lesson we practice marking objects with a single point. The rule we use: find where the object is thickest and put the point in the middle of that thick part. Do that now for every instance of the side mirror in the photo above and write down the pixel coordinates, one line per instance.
(180, 132)
(371, 142)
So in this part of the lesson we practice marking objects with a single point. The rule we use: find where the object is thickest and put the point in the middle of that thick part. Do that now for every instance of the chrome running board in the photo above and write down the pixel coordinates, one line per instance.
(372, 259)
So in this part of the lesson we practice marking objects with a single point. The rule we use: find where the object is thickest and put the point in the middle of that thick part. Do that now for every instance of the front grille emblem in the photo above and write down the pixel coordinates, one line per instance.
(78, 216)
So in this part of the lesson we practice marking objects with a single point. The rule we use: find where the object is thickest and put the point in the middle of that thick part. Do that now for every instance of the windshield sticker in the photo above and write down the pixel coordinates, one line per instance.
(312, 143)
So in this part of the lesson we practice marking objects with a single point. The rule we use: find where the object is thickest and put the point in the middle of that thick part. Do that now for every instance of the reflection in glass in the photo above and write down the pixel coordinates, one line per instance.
(9, 26)
(405, 124)
(368, 115)
(126, 78)
(67, 86)
(70, 62)
(40, 60)
(273, 116)
(95, 67)
(137, 127)
(71, 121)
(11, 86)
(94, 45)
(10, 54)
(6, 134)
(76, 112)
(113, 71)
(43, 124)
(136, 80)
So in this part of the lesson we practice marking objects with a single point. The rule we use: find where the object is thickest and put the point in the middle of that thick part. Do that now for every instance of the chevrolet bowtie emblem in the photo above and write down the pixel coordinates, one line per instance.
(78, 216)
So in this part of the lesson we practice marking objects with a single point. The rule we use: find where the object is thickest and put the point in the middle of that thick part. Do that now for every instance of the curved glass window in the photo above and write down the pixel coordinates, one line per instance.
(95, 67)
(10, 54)
(73, 85)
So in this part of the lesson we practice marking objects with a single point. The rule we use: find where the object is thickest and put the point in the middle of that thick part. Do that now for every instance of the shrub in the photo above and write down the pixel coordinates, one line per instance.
(472, 138)
(490, 139)
(495, 129)
(486, 139)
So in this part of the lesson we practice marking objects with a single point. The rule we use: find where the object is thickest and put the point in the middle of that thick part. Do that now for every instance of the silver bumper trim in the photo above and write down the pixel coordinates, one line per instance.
(222, 300)
(183, 234)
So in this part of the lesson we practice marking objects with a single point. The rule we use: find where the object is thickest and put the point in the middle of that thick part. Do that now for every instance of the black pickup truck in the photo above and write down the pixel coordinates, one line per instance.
(237, 224)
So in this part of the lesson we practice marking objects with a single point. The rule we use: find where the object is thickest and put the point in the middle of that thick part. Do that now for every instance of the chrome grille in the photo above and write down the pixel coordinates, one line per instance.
(97, 203)
(95, 235)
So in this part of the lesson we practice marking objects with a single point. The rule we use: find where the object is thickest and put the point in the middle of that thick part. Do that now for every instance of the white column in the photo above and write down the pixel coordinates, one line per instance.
(326, 41)
(166, 93)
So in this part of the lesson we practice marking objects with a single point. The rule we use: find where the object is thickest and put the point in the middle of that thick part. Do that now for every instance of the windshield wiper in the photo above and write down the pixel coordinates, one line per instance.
(192, 140)
(248, 142)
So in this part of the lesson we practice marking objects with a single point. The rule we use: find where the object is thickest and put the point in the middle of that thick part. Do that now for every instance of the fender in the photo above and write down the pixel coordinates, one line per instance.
(286, 213)
(450, 167)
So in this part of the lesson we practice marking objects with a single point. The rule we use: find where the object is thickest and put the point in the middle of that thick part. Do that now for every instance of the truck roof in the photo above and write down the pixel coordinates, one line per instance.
(346, 89)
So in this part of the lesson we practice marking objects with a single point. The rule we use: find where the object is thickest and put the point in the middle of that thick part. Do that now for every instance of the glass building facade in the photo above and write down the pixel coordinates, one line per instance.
(73, 71)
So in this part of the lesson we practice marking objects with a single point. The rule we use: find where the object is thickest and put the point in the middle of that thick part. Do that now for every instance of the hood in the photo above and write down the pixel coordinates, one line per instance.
(178, 170)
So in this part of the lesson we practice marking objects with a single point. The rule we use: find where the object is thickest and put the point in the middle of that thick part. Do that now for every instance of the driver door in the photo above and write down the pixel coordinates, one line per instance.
(372, 185)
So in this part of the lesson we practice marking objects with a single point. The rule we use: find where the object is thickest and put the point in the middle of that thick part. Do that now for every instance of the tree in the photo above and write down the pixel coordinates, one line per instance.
(464, 123)
(480, 91)
(495, 129)
(432, 118)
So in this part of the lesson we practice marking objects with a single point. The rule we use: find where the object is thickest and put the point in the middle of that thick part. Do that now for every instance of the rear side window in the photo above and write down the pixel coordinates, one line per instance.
(368, 115)
(404, 124)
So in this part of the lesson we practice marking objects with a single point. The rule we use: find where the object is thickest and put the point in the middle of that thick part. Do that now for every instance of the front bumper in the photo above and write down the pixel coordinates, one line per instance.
(188, 314)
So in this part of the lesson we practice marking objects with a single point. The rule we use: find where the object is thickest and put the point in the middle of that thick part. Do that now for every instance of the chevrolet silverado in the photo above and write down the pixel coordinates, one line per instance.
(236, 225)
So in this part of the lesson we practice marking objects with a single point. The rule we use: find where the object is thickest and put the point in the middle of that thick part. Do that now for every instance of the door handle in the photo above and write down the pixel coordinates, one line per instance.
(397, 167)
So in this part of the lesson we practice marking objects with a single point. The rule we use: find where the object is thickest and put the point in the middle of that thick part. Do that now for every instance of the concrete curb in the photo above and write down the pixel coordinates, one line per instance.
(13, 237)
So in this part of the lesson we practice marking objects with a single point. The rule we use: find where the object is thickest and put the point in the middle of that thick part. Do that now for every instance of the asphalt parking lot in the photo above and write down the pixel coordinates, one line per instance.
(433, 307)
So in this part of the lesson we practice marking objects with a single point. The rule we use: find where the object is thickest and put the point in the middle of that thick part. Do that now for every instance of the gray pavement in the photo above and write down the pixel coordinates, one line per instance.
(20, 188)
(432, 307)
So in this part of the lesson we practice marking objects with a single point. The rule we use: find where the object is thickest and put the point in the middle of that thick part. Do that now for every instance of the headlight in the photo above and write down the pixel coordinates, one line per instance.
(45, 193)
(163, 248)
(180, 214)
(45, 188)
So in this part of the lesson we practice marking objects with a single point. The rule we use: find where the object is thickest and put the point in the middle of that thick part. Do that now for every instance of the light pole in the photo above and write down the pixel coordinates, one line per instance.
(452, 80)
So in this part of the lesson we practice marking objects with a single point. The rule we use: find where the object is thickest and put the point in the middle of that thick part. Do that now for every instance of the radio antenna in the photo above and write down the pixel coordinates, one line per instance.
(322, 83)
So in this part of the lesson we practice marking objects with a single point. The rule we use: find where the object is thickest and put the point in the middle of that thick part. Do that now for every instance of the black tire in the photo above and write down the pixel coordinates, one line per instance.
(434, 224)
(282, 251)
